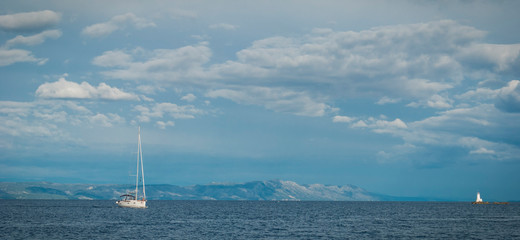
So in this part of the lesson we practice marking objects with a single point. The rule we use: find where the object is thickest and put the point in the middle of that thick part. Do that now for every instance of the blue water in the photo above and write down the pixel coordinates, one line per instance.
(77, 219)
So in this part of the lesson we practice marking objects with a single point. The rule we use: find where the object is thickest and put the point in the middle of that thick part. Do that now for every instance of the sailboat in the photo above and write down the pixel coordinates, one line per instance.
(131, 199)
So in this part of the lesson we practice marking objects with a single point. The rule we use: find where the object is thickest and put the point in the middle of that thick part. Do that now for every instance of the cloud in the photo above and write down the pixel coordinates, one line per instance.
(161, 110)
(150, 89)
(163, 125)
(15, 108)
(498, 57)
(408, 62)
(276, 99)
(54, 108)
(474, 128)
(189, 97)
(385, 100)
(480, 130)
(508, 97)
(422, 87)
(64, 89)
(48, 121)
(397, 123)
(106, 120)
(116, 23)
(29, 21)
(343, 119)
(413, 63)
(11, 56)
(482, 150)
(177, 13)
(20, 127)
(53, 116)
(223, 26)
(34, 39)
(185, 63)
(17, 125)
(113, 59)
(479, 94)
(38, 119)
(435, 101)
(395, 51)
(397, 126)
(420, 65)
(231, 70)
(359, 124)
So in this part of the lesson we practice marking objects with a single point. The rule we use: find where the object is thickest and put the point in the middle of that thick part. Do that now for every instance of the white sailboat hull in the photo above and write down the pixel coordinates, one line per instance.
(132, 203)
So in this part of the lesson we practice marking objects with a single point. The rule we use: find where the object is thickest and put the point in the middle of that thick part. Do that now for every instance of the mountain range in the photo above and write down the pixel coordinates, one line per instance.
(256, 190)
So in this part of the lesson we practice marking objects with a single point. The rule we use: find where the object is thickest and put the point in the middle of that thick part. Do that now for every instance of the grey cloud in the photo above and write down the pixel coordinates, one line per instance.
(467, 131)
(160, 64)
(223, 26)
(496, 57)
(11, 56)
(116, 23)
(165, 110)
(34, 39)
(412, 61)
(508, 98)
(415, 63)
(276, 99)
(29, 21)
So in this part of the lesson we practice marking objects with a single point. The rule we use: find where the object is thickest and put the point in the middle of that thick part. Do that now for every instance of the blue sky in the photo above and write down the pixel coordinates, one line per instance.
(406, 98)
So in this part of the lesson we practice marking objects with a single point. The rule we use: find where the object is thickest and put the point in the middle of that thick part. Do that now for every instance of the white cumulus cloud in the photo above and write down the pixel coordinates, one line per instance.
(65, 89)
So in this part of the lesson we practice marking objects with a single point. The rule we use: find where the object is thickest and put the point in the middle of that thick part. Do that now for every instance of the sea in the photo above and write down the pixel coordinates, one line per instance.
(171, 219)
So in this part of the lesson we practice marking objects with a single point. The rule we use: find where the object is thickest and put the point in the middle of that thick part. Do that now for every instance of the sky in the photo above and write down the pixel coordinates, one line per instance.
(404, 98)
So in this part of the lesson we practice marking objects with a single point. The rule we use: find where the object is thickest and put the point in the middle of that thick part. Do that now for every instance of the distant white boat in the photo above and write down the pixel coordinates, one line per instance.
(131, 199)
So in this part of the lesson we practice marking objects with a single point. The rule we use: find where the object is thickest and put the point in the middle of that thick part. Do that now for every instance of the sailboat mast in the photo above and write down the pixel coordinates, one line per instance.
(137, 167)
(142, 169)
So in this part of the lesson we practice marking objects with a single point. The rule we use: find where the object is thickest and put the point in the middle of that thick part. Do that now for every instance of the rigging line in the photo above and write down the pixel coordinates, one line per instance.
(142, 168)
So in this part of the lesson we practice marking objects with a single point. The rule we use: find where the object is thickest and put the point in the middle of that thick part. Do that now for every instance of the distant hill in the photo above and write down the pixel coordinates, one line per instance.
(257, 190)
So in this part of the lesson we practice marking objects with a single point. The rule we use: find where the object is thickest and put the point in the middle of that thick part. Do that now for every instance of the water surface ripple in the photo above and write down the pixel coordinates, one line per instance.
(78, 219)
